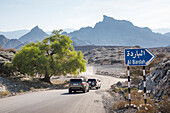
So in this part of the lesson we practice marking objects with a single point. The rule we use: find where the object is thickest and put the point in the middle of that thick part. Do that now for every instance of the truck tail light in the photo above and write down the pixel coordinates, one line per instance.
(69, 84)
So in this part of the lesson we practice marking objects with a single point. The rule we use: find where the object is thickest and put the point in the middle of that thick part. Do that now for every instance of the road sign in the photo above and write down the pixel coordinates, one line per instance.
(138, 57)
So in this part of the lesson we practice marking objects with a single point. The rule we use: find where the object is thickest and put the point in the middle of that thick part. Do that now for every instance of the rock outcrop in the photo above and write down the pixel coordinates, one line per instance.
(5, 56)
(158, 82)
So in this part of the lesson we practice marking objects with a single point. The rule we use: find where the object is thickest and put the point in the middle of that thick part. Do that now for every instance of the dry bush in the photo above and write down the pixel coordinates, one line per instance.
(119, 105)
(21, 91)
(4, 93)
(161, 55)
(164, 105)
(32, 88)
(146, 109)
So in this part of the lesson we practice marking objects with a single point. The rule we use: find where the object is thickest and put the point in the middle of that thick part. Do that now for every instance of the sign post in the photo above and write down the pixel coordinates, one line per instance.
(138, 57)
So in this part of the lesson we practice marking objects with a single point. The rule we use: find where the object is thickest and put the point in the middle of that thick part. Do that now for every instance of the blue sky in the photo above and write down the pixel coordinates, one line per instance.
(60, 14)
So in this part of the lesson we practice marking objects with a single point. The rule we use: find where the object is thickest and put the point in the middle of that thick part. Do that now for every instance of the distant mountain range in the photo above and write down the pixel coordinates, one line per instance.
(35, 34)
(108, 32)
(120, 33)
(14, 34)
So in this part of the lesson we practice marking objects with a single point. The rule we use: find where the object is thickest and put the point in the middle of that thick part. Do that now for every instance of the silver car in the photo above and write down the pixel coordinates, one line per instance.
(78, 84)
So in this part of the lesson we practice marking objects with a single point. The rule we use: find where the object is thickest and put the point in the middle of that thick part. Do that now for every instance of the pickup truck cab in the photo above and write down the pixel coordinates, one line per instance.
(78, 84)
(94, 83)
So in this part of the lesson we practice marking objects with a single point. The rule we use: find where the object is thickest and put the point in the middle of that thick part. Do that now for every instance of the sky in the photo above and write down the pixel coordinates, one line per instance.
(61, 14)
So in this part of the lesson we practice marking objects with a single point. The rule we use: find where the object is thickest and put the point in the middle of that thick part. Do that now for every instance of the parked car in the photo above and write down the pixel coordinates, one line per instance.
(78, 84)
(94, 83)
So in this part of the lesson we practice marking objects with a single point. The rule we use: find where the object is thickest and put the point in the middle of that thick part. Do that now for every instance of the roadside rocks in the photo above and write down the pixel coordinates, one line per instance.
(158, 82)
(5, 57)
(115, 70)
(104, 55)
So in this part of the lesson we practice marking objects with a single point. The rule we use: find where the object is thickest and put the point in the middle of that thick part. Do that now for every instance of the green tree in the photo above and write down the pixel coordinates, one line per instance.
(55, 55)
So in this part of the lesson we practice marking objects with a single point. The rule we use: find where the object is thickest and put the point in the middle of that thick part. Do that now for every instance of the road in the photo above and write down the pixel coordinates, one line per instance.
(59, 101)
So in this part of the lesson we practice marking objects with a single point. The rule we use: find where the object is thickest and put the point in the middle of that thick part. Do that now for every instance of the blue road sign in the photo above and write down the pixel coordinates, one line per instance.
(138, 57)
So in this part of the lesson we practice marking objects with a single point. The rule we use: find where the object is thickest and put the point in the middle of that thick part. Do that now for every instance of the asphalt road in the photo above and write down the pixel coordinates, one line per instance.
(59, 101)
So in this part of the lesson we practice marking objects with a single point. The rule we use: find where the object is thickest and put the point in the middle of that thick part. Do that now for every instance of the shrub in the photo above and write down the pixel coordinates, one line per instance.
(32, 88)
(4, 93)
(115, 90)
(119, 105)
(21, 91)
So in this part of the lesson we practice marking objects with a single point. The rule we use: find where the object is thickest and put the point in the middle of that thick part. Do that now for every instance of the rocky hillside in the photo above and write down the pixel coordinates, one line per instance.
(108, 55)
(158, 82)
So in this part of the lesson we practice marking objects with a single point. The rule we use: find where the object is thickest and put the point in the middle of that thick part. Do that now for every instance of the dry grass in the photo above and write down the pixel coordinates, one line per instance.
(164, 105)
(119, 105)
(148, 108)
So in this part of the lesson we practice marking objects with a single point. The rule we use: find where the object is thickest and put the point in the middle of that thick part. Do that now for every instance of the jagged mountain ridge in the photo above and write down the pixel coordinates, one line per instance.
(119, 33)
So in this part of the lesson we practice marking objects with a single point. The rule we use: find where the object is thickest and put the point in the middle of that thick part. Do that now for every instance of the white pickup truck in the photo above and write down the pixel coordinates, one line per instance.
(94, 83)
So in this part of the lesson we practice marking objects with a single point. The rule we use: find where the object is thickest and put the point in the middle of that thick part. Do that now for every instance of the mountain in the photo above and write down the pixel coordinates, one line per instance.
(14, 34)
(3, 40)
(12, 44)
(35, 34)
(119, 33)
(22, 44)
(167, 34)
(78, 42)
(68, 30)
(161, 30)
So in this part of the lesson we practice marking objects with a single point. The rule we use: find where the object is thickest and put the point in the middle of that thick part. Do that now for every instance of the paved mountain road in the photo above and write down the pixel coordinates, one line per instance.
(58, 101)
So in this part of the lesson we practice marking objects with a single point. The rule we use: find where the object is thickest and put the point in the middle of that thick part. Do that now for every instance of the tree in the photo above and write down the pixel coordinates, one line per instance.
(55, 55)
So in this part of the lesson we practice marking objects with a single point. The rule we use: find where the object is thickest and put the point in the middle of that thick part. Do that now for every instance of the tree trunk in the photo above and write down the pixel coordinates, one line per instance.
(46, 78)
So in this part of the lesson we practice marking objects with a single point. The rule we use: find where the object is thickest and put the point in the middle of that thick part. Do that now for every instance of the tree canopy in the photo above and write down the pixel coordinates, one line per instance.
(55, 55)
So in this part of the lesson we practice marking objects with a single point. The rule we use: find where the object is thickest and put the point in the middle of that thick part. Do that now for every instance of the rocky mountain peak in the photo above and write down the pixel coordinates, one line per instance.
(35, 29)
(35, 34)
(107, 18)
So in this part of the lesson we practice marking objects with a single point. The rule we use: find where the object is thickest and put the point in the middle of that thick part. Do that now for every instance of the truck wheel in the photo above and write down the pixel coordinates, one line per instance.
(84, 91)
(70, 91)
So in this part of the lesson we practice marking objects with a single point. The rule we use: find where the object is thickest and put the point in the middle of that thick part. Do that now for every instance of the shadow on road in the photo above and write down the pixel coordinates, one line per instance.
(77, 93)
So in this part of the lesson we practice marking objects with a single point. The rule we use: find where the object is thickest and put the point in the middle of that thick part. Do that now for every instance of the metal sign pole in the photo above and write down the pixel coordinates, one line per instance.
(129, 85)
(144, 84)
